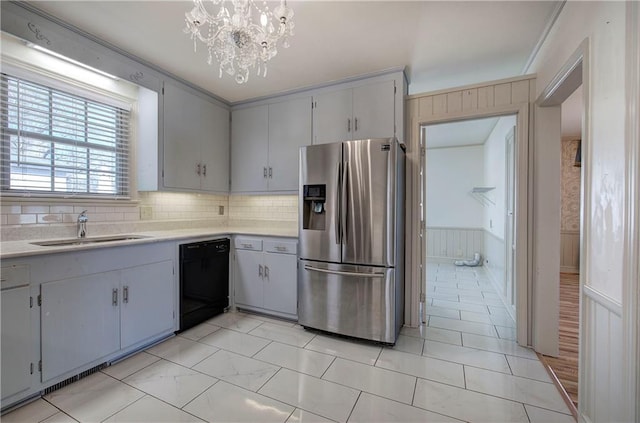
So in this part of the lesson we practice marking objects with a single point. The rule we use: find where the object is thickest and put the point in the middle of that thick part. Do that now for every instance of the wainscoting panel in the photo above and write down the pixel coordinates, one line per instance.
(454, 243)
(570, 251)
(601, 396)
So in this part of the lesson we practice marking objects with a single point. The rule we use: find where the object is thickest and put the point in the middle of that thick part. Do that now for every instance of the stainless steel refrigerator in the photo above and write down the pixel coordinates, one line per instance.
(351, 217)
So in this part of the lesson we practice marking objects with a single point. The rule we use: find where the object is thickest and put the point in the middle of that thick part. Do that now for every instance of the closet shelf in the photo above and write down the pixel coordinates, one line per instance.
(479, 193)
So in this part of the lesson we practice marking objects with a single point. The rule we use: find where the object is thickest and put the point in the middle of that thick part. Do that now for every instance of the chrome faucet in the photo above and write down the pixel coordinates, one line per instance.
(82, 224)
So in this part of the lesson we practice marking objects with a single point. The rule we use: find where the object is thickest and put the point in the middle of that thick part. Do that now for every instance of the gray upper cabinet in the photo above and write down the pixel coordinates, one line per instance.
(265, 141)
(366, 111)
(196, 142)
(249, 149)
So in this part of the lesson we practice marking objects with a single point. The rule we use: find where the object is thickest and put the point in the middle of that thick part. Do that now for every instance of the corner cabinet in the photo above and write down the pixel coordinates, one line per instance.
(265, 275)
(196, 142)
(183, 141)
(265, 140)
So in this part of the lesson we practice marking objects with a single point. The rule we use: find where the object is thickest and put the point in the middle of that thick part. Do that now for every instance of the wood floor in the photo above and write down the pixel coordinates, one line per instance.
(565, 366)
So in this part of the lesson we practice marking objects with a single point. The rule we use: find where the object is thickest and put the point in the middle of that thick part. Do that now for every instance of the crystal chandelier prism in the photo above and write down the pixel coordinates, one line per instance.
(241, 35)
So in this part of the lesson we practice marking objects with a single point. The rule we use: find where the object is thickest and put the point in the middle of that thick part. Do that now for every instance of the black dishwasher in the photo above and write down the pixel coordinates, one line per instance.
(204, 281)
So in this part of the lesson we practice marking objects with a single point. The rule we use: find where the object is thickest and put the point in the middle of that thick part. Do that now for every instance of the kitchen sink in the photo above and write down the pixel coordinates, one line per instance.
(90, 240)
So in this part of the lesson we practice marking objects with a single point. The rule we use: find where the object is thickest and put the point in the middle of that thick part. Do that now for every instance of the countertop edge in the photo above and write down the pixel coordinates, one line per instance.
(25, 248)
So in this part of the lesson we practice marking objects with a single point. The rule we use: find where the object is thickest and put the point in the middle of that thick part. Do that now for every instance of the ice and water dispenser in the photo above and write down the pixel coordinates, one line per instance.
(314, 213)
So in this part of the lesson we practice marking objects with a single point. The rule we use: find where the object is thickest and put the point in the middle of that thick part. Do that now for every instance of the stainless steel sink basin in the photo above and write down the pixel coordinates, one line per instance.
(90, 240)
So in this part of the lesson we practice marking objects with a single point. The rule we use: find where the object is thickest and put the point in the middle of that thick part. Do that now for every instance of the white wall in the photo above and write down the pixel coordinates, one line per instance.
(451, 174)
(494, 175)
(605, 370)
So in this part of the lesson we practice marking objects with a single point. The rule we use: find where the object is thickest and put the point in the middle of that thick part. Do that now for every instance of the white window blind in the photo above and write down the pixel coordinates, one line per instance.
(57, 143)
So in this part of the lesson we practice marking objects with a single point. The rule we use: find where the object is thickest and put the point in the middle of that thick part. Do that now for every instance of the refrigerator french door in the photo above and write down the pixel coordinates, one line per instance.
(351, 278)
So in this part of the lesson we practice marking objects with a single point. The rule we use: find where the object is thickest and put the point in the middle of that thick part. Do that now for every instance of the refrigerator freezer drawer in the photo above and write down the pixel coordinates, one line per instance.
(358, 301)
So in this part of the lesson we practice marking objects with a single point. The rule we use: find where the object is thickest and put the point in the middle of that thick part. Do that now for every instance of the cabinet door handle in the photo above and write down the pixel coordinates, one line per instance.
(270, 172)
(204, 170)
(264, 172)
(348, 124)
(260, 270)
(266, 271)
(125, 294)
(114, 297)
(355, 128)
(198, 168)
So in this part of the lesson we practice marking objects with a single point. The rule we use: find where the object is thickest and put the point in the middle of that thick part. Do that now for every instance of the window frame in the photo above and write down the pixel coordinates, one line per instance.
(126, 190)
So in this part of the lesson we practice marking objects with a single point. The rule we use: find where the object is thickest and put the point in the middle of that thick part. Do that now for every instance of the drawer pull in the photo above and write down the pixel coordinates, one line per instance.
(247, 245)
(280, 248)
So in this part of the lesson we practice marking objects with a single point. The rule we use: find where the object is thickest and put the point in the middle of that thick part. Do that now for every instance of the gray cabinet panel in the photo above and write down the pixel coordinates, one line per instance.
(332, 117)
(289, 129)
(16, 341)
(249, 149)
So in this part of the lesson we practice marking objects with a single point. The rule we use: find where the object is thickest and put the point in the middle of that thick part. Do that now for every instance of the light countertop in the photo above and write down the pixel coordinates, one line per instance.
(22, 248)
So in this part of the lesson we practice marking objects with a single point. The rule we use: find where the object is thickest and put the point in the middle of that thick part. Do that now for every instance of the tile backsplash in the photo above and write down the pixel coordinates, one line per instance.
(154, 210)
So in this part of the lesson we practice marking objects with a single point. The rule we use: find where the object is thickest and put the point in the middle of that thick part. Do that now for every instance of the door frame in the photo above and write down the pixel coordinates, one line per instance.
(522, 213)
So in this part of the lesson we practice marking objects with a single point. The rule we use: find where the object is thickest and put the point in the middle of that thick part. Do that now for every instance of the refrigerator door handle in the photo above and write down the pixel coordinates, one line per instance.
(336, 209)
(345, 203)
(342, 273)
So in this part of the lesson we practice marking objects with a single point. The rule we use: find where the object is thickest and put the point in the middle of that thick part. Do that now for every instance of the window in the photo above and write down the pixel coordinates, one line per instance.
(58, 143)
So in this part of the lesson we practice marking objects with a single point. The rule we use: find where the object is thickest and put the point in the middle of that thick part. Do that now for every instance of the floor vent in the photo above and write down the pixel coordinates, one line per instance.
(74, 378)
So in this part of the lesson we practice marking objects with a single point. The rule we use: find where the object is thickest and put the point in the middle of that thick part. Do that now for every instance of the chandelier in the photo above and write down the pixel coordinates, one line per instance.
(240, 35)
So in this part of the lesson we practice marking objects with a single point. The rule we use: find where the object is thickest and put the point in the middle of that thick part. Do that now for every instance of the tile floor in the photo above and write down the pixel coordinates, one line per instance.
(463, 365)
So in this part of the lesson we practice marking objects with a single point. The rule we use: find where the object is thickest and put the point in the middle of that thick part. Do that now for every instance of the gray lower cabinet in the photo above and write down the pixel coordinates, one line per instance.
(265, 275)
(17, 339)
(90, 317)
(65, 313)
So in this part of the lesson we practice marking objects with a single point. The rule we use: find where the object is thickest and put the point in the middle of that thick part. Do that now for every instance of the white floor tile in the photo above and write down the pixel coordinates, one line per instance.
(35, 411)
(224, 402)
(372, 409)
(350, 349)
(424, 367)
(198, 332)
(449, 313)
(318, 396)
(468, 356)
(456, 291)
(434, 334)
(442, 296)
(493, 344)
(302, 416)
(478, 308)
(170, 382)
(515, 388)
(506, 333)
(462, 326)
(377, 381)
(471, 316)
(293, 336)
(236, 342)
(150, 409)
(408, 344)
(532, 369)
(239, 322)
(130, 365)
(237, 369)
(540, 415)
(501, 320)
(94, 398)
(59, 418)
(301, 360)
(184, 352)
(467, 405)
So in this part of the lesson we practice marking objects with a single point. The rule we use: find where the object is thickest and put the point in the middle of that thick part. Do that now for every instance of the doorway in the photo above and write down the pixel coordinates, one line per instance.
(468, 180)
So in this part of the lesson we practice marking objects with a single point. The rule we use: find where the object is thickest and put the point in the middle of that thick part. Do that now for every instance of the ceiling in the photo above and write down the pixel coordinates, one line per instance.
(441, 43)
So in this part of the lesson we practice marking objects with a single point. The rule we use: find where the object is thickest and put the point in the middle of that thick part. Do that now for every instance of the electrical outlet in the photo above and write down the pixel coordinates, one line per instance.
(220, 210)
(146, 213)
